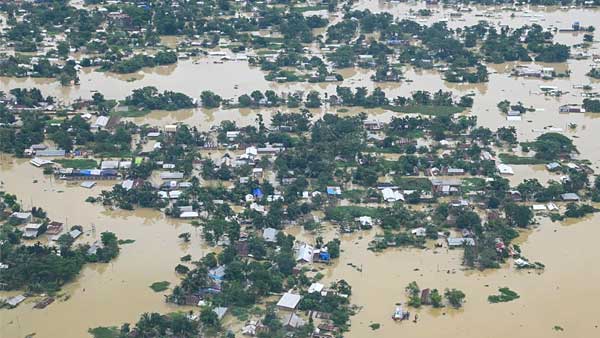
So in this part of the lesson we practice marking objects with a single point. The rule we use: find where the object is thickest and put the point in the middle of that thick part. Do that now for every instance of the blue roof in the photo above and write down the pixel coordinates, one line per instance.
(257, 192)
(333, 191)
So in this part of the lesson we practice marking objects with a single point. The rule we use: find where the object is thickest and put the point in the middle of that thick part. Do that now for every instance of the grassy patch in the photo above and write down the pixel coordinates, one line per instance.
(514, 159)
(131, 112)
(309, 8)
(375, 326)
(349, 213)
(426, 110)
(79, 163)
(160, 286)
(126, 241)
(104, 332)
(506, 295)
(413, 183)
(354, 194)
(473, 184)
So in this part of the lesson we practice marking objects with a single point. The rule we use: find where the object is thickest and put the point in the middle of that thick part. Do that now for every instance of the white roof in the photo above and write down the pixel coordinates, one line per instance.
(521, 262)
(21, 215)
(251, 151)
(188, 214)
(270, 234)
(570, 196)
(421, 231)
(16, 300)
(109, 164)
(289, 300)
(458, 241)
(174, 194)
(365, 220)
(505, 169)
(305, 253)
(171, 175)
(75, 233)
(539, 207)
(88, 184)
(101, 121)
(315, 287)
(127, 184)
(125, 164)
(38, 162)
(220, 311)
(390, 195)
(33, 226)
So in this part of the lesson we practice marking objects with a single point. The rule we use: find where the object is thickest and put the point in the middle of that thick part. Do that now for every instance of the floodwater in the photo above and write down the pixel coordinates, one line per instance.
(564, 295)
(103, 293)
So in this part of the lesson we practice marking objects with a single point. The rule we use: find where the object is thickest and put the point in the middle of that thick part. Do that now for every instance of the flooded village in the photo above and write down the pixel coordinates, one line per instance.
(311, 168)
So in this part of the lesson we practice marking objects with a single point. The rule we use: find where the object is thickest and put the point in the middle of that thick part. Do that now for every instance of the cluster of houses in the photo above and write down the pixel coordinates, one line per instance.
(533, 71)
(33, 227)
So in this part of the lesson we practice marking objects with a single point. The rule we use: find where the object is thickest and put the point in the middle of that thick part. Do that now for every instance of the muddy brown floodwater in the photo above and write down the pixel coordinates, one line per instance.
(566, 294)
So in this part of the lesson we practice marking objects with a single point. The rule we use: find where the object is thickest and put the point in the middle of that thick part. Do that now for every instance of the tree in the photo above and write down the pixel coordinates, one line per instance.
(455, 297)
(468, 220)
(209, 318)
(550, 146)
(313, 100)
(518, 215)
(333, 248)
(185, 236)
(343, 57)
(414, 294)
(592, 105)
(436, 298)
(210, 99)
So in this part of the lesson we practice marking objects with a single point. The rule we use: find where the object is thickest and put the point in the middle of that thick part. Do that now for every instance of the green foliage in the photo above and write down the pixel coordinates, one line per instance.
(160, 286)
(514, 159)
(550, 146)
(38, 268)
(104, 332)
(150, 98)
(436, 298)
(137, 62)
(455, 297)
(518, 215)
(78, 163)
(506, 295)
(591, 105)
(414, 294)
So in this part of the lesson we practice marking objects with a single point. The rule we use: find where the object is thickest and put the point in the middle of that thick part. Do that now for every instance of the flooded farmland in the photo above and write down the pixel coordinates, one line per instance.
(563, 295)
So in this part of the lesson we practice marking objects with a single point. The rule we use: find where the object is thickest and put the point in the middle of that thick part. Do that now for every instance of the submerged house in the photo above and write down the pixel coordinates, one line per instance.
(270, 235)
(22, 217)
(32, 230)
(289, 301)
(305, 253)
(571, 108)
(569, 197)
(460, 241)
